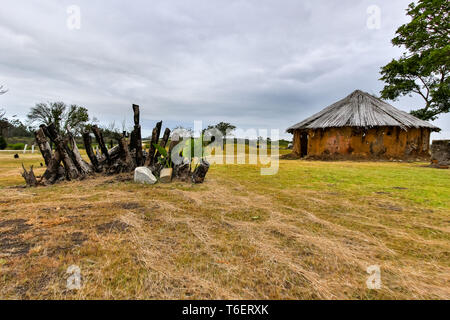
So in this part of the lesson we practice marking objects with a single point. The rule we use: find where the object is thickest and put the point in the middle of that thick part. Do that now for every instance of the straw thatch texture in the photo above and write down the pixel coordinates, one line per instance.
(360, 109)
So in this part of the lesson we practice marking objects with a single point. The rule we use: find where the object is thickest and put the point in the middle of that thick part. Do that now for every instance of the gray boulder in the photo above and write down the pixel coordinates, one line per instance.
(143, 175)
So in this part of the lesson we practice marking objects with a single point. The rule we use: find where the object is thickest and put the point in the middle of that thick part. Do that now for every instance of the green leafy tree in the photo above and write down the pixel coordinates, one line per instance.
(61, 115)
(3, 126)
(423, 68)
(4, 123)
(223, 127)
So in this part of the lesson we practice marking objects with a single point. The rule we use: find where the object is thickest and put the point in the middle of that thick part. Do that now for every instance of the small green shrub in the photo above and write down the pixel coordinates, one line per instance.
(16, 146)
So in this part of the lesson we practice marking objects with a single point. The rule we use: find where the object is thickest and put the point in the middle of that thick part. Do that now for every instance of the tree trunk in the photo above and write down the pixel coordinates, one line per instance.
(137, 136)
(86, 168)
(125, 163)
(90, 152)
(99, 137)
(44, 146)
(55, 172)
(69, 165)
(182, 171)
(200, 172)
(155, 139)
(163, 143)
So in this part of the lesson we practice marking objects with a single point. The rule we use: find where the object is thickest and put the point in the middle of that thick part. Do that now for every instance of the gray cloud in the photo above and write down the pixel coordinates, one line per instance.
(263, 64)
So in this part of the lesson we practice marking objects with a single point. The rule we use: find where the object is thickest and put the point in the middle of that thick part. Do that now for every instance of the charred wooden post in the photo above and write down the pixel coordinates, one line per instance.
(151, 152)
(176, 139)
(158, 131)
(44, 146)
(133, 140)
(200, 172)
(90, 152)
(137, 136)
(101, 142)
(163, 143)
(127, 163)
(155, 139)
(29, 177)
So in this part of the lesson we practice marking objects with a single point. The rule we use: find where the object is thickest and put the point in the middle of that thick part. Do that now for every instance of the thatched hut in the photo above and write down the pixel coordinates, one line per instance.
(362, 126)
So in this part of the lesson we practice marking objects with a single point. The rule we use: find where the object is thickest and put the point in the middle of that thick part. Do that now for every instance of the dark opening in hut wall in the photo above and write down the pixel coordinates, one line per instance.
(65, 162)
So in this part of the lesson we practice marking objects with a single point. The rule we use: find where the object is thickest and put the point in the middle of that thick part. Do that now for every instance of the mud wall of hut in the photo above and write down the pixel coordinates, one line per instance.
(380, 142)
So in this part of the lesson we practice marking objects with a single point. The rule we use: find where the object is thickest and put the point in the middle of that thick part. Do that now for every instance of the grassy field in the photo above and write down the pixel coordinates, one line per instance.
(309, 232)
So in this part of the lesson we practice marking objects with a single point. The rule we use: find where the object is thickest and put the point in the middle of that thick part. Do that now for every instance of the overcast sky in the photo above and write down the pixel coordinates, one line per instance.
(258, 64)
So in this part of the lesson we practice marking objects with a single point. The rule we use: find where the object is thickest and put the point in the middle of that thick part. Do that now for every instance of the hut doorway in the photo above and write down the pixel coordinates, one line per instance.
(303, 144)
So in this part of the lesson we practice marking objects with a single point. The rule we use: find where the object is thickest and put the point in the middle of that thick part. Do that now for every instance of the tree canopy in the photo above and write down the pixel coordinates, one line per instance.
(63, 116)
(423, 68)
(224, 127)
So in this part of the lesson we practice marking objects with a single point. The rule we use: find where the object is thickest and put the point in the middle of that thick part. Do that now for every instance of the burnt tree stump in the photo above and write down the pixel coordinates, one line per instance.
(137, 137)
(101, 142)
(200, 172)
(87, 140)
(55, 172)
(29, 177)
(44, 146)
(182, 171)
(84, 167)
(69, 165)
(163, 143)
(155, 139)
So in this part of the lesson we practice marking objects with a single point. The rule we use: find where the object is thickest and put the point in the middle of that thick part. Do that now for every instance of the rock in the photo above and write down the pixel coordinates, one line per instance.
(166, 175)
(144, 175)
(440, 153)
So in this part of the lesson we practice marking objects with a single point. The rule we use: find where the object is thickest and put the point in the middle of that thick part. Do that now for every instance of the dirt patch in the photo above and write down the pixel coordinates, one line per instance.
(56, 251)
(16, 227)
(37, 285)
(8, 223)
(11, 243)
(78, 238)
(114, 226)
(390, 207)
(129, 205)
(13, 247)
(290, 156)
(120, 178)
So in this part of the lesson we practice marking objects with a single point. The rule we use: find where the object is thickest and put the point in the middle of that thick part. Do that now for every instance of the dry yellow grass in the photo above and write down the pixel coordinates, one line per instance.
(309, 232)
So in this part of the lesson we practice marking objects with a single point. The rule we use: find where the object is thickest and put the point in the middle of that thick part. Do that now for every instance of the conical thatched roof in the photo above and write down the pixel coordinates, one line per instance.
(361, 109)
